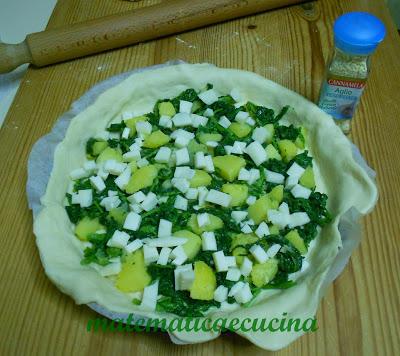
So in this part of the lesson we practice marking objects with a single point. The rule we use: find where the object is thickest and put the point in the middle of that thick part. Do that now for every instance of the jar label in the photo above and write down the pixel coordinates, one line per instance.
(340, 96)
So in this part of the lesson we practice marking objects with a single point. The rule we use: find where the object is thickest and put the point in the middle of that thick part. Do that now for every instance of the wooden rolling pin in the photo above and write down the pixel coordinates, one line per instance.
(166, 18)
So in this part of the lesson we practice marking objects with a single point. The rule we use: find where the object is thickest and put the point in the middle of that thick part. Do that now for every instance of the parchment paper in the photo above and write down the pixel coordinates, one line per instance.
(40, 164)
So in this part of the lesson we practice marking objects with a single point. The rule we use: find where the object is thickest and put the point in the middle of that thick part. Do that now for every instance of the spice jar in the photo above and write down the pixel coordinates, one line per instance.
(356, 36)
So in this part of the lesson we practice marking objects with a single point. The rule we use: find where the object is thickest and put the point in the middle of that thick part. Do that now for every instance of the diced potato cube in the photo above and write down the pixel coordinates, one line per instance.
(271, 129)
(295, 239)
(276, 193)
(204, 283)
(258, 211)
(307, 179)
(118, 214)
(206, 137)
(238, 192)
(109, 153)
(243, 239)
(193, 245)
(288, 150)
(214, 224)
(263, 273)
(272, 153)
(240, 130)
(239, 253)
(156, 139)
(200, 179)
(131, 123)
(228, 166)
(87, 226)
(166, 109)
(142, 178)
(98, 147)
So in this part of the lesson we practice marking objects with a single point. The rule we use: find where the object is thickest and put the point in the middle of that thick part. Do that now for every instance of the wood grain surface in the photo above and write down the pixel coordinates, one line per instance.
(360, 312)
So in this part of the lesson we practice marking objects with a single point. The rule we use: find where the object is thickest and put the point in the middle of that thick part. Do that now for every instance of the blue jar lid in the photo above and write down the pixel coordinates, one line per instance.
(358, 32)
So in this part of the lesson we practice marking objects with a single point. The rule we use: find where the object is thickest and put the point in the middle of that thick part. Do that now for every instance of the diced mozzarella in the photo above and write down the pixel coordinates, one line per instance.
(244, 295)
(163, 155)
(177, 274)
(246, 267)
(221, 294)
(150, 202)
(181, 184)
(235, 94)
(260, 134)
(224, 122)
(256, 152)
(250, 121)
(164, 256)
(131, 155)
(233, 274)
(90, 166)
(114, 167)
(251, 200)
(254, 176)
(102, 173)
(164, 228)
(258, 253)
(239, 147)
(219, 198)
(219, 261)
(198, 120)
(208, 97)
(241, 116)
(118, 239)
(278, 218)
(97, 183)
(137, 197)
(199, 160)
(208, 112)
(167, 241)
(78, 174)
(203, 191)
(298, 219)
(239, 216)
(111, 269)
(150, 254)
(132, 221)
(85, 197)
(110, 203)
(273, 250)
(136, 208)
(235, 288)
(112, 193)
(149, 299)
(284, 208)
(123, 179)
(246, 229)
(295, 170)
(143, 162)
(209, 164)
(299, 191)
(143, 127)
(291, 181)
(133, 246)
(185, 106)
(181, 203)
(262, 230)
(126, 132)
(273, 177)
(186, 279)
(179, 255)
(165, 121)
(228, 149)
(230, 261)
(203, 219)
(182, 156)
(182, 119)
(244, 174)
(192, 194)
(212, 144)
(184, 172)
(208, 242)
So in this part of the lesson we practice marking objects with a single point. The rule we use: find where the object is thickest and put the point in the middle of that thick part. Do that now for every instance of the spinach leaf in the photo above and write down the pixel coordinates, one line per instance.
(287, 132)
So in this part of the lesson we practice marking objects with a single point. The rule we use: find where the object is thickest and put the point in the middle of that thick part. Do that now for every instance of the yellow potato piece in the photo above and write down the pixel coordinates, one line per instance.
(87, 226)
(215, 224)
(142, 178)
(258, 211)
(228, 166)
(193, 245)
(238, 192)
(200, 179)
(204, 283)
(156, 139)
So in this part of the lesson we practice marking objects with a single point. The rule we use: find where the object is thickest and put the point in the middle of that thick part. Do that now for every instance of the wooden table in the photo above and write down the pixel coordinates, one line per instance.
(359, 314)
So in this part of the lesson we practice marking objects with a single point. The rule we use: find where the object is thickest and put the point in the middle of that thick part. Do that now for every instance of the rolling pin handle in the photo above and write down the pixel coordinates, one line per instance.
(13, 55)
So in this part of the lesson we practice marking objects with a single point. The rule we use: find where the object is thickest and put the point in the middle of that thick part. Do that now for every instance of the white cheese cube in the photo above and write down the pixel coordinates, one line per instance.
(224, 122)
(291, 181)
(137, 197)
(251, 200)
(133, 246)
(102, 173)
(258, 253)
(132, 221)
(262, 230)
(219, 198)
(192, 194)
(177, 274)
(260, 134)
(241, 116)
(299, 191)
(256, 152)
(184, 172)
(164, 256)
(209, 164)
(163, 155)
(164, 228)
(110, 203)
(199, 160)
(167, 241)
(235, 94)
(118, 239)
(219, 261)
(143, 127)
(123, 179)
(233, 274)
(165, 121)
(111, 269)
(198, 121)
(85, 197)
(244, 174)
(284, 208)
(278, 218)
(203, 191)
(143, 162)
(78, 174)
(254, 176)
(150, 254)
(136, 208)
(114, 167)
(208, 241)
(126, 132)
(273, 250)
(182, 119)
(181, 184)
(181, 203)
(246, 267)
(186, 279)
(203, 219)
(244, 295)
(212, 144)
(239, 216)
(149, 299)
(221, 294)
(235, 288)
(208, 112)
(250, 121)
(208, 97)
(150, 202)
(239, 147)
(162, 199)
(179, 255)
(295, 170)
(230, 261)
(97, 183)
(90, 166)
(112, 193)
(246, 229)
(133, 155)
(182, 156)
(298, 219)
(274, 177)
(228, 149)
(185, 106)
